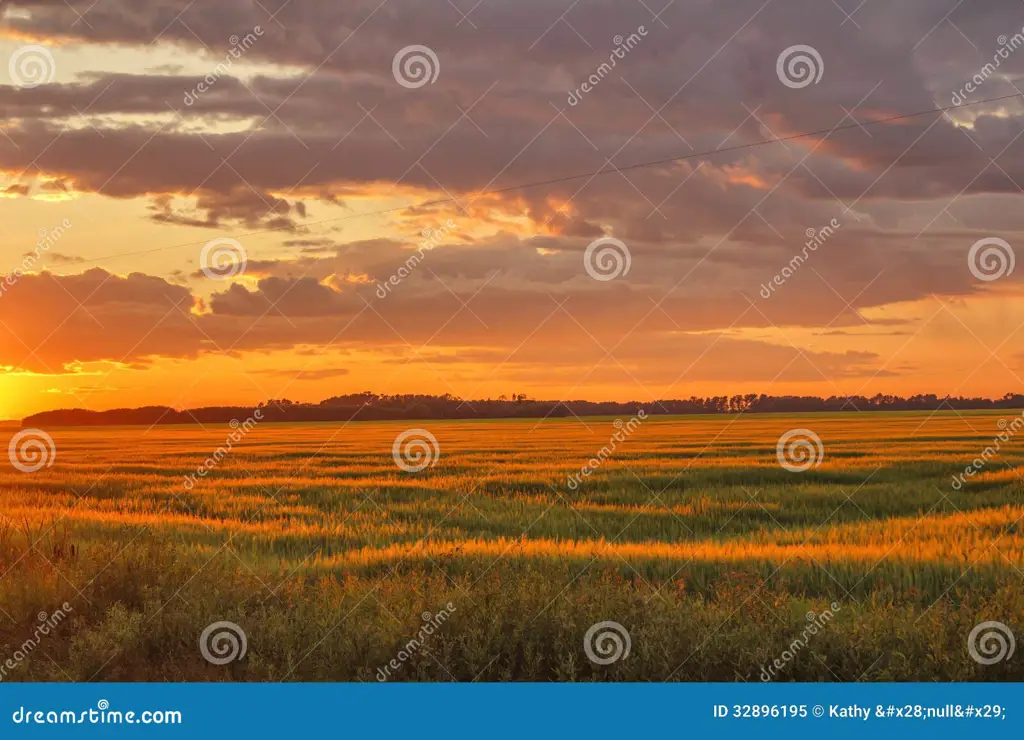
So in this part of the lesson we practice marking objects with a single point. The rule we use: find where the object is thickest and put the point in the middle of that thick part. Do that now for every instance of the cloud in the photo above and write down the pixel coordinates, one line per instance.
(58, 258)
(245, 206)
(51, 322)
(339, 124)
(48, 321)
(309, 125)
(305, 373)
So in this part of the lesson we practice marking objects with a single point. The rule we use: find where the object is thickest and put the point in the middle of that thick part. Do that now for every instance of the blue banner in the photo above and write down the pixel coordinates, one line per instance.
(511, 710)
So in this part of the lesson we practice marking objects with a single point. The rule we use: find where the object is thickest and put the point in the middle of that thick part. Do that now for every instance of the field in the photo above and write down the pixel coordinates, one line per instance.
(712, 557)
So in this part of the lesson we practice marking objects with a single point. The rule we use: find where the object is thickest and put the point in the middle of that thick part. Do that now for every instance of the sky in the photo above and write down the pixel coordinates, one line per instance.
(224, 202)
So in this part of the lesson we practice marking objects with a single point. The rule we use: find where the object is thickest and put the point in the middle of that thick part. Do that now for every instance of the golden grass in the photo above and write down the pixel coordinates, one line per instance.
(312, 538)
(679, 489)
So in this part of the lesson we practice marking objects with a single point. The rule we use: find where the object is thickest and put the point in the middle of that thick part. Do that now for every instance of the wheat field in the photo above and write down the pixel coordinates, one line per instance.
(690, 535)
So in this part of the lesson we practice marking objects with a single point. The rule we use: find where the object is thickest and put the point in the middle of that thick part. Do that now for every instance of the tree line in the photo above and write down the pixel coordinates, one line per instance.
(369, 406)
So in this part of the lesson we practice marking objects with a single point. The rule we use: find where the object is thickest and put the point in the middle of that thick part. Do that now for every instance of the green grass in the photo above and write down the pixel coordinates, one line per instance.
(691, 536)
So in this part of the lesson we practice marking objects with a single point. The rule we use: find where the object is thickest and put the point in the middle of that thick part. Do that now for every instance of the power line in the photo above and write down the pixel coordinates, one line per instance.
(580, 176)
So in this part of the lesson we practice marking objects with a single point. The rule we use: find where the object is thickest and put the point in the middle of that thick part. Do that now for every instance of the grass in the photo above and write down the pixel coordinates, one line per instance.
(691, 535)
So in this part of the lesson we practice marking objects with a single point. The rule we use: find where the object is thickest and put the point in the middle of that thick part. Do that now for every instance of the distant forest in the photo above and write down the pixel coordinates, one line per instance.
(371, 406)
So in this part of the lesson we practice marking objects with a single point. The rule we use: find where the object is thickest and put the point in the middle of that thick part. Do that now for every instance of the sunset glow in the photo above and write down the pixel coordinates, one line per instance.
(151, 150)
